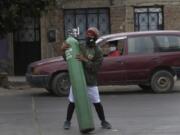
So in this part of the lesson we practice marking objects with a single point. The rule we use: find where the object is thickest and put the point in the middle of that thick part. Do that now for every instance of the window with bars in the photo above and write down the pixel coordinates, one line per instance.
(29, 32)
(148, 18)
(85, 18)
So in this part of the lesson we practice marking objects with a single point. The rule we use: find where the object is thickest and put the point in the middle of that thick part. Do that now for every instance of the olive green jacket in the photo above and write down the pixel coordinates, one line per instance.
(95, 58)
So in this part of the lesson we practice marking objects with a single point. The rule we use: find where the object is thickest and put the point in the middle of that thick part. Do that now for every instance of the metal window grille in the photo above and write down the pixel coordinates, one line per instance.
(29, 32)
(85, 18)
(148, 18)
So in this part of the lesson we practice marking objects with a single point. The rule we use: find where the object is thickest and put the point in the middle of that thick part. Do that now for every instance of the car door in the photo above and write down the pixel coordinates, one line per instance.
(112, 71)
(141, 58)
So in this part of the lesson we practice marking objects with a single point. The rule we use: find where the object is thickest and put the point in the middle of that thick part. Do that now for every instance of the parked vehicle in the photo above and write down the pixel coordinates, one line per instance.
(148, 59)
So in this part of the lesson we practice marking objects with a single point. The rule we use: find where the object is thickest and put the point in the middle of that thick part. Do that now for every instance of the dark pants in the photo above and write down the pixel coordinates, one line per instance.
(98, 107)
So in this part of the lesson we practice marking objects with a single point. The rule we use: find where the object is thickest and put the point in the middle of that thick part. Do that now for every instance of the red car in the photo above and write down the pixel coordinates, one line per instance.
(148, 59)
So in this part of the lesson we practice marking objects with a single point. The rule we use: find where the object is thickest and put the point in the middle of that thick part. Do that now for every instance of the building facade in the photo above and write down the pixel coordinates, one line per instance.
(42, 39)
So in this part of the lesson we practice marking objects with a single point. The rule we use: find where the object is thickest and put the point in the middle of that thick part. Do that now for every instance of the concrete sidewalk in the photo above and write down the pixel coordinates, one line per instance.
(18, 81)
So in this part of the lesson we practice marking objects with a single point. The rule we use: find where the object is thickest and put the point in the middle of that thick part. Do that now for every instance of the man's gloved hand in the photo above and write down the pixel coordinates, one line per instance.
(81, 57)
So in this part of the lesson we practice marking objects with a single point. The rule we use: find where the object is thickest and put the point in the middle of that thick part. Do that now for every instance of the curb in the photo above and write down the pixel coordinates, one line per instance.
(18, 82)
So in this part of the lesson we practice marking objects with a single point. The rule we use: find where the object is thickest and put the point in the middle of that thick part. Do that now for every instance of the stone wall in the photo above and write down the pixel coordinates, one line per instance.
(151, 2)
(85, 3)
(171, 17)
(117, 19)
(52, 21)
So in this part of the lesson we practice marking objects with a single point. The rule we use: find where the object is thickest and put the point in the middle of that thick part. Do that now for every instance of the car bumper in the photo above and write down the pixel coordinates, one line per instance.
(38, 80)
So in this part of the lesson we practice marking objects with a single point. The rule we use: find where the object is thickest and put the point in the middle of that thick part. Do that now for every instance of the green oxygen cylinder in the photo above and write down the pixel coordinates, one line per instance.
(78, 82)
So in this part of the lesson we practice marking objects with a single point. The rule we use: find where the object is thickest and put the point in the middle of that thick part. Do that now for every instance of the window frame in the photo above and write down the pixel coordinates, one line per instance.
(35, 28)
(86, 13)
(159, 26)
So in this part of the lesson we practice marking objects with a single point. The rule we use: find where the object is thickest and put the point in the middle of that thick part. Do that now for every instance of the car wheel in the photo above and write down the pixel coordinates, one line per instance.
(61, 84)
(162, 81)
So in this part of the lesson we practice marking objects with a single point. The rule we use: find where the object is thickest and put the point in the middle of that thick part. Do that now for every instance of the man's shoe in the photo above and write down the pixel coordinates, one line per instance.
(106, 125)
(67, 125)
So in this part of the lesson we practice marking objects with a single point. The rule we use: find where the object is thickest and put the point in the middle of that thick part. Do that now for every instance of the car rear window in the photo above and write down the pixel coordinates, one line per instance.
(168, 43)
(140, 45)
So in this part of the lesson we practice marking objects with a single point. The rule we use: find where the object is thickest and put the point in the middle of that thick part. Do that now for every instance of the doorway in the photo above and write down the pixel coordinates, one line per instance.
(27, 46)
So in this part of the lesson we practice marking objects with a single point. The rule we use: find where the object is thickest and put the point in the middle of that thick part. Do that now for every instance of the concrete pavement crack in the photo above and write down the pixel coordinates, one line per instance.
(35, 118)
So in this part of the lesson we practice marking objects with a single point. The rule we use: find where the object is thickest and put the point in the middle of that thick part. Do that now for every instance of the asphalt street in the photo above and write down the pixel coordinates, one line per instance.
(32, 111)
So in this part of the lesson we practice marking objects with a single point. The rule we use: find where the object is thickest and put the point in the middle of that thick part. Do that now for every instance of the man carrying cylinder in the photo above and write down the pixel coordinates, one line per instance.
(91, 57)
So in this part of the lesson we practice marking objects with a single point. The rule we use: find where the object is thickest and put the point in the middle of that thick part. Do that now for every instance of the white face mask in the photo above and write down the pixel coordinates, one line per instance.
(112, 49)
